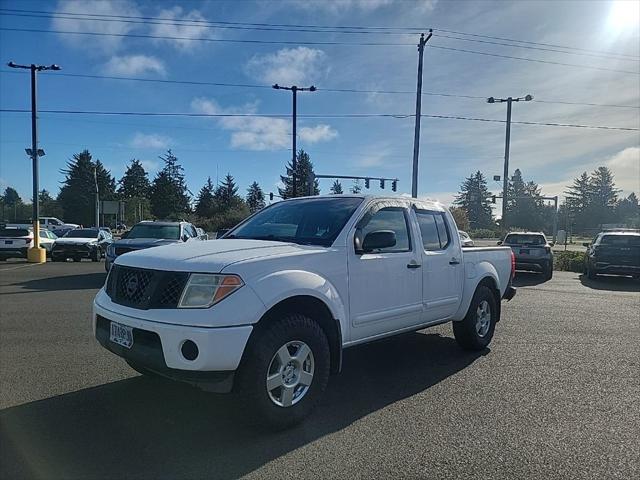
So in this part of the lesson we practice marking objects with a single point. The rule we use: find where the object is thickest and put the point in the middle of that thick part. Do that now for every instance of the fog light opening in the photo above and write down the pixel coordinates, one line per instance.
(189, 350)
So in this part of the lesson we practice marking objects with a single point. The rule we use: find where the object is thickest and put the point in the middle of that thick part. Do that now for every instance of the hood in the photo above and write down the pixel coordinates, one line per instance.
(75, 241)
(209, 256)
(70, 225)
(144, 242)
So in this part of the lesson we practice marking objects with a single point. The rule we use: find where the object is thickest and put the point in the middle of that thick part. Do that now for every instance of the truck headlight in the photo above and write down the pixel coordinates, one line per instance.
(204, 290)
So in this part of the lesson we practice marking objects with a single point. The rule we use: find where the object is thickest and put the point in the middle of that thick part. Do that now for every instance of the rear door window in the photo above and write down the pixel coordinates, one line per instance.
(433, 229)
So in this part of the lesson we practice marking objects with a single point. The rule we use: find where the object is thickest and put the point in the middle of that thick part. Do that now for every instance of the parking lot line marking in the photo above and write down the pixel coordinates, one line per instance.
(20, 266)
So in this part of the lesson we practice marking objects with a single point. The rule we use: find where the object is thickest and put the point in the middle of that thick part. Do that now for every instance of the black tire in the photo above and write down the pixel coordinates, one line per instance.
(548, 272)
(466, 331)
(95, 256)
(591, 274)
(251, 382)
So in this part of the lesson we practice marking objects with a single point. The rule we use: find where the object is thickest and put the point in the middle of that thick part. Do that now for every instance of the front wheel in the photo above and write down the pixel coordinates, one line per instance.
(591, 274)
(475, 331)
(285, 371)
(95, 255)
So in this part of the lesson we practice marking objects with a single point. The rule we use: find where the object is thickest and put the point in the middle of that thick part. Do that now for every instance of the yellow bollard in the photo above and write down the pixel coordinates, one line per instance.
(36, 254)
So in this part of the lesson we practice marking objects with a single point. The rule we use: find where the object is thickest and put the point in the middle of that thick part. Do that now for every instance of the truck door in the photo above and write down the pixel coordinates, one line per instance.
(385, 285)
(442, 266)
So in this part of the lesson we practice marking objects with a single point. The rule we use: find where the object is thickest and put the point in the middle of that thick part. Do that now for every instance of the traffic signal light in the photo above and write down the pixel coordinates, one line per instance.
(382, 184)
(493, 199)
(366, 183)
(271, 196)
(394, 185)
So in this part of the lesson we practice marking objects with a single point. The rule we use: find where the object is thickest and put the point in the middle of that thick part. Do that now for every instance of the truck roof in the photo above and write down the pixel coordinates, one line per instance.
(432, 204)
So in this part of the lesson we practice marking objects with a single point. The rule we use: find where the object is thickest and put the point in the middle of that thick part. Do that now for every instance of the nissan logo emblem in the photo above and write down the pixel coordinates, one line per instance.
(131, 286)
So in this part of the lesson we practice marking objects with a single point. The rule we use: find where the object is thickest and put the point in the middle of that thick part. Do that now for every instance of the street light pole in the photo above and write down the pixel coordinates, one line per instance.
(294, 90)
(507, 143)
(35, 254)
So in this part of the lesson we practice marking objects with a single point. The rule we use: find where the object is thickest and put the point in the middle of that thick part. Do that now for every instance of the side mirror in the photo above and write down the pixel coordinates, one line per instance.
(124, 235)
(185, 237)
(551, 244)
(499, 242)
(586, 244)
(379, 239)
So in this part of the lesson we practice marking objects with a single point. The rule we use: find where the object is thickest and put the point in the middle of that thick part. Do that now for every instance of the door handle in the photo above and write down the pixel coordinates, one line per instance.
(413, 265)
(454, 261)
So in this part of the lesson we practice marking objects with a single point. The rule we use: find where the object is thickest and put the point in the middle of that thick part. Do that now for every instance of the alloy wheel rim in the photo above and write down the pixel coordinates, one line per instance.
(483, 318)
(290, 373)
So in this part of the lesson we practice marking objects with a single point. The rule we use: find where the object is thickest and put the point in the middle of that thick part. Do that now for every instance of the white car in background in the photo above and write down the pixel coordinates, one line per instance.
(14, 242)
(465, 239)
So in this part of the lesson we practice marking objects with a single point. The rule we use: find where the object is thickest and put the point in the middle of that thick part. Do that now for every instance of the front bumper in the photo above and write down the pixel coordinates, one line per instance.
(157, 347)
(73, 251)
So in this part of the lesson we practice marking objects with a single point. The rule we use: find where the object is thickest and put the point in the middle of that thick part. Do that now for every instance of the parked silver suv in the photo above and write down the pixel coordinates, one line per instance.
(532, 251)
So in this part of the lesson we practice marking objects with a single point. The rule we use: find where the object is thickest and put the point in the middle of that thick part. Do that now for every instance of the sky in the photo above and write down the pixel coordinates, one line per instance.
(600, 67)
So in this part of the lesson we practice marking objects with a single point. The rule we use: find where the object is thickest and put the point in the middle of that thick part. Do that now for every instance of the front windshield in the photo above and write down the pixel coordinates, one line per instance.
(305, 221)
(150, 230)
(82, 233)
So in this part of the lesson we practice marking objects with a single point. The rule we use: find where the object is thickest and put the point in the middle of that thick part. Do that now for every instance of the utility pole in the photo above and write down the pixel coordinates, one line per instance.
(35, 254)
(294, 90)
(416, 138)
(95, 180)
(505, 176)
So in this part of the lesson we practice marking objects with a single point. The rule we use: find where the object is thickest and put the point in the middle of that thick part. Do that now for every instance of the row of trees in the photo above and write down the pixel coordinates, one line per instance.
(591, 201)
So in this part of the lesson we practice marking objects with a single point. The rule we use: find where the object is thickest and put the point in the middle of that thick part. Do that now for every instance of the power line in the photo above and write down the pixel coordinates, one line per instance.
(305, 42)
(320, 89)
(526, 59)
(319, 116)
(325, 28)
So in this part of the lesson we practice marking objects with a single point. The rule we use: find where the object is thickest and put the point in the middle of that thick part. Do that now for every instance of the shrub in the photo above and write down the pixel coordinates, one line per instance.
(483, 233)
(569, 261)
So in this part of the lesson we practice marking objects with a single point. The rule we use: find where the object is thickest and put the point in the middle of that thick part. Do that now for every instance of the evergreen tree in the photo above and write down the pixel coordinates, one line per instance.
(205, 203)
(336, 188)
(226, 193)
(49, 207)
(604, 196)
(524, 207)
(473, 197)
(255, 198)
(304, 169)
(77, 195)
(628, 211)
(168, 192)
(11, 203)
(356, 188)
(578, 201)
(135, 181)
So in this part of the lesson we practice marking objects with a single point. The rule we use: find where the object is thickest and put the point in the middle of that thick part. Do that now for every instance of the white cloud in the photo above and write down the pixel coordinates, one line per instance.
(102, 44)
(152, 140)
(260, 133)
(131, 65)
(340, 6)
(316, 134)
(298, 66)
(183, 31)
(150, 165)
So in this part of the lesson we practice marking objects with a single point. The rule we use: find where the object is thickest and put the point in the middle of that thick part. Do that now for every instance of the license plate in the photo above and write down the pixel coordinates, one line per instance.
(121, 334)
(524, 251)
(8, 242)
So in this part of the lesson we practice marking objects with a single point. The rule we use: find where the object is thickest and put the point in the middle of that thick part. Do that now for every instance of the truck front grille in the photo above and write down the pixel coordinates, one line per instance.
(145, 289)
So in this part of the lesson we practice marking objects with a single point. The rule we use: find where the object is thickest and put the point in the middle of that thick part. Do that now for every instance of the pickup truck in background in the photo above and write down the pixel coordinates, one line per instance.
(267, 310)
(52, 224)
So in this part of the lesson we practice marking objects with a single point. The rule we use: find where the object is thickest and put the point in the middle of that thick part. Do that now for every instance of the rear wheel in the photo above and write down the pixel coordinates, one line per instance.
(548, 271)
(591, 274)
(95, 255)
(475, 331)
(285, 371)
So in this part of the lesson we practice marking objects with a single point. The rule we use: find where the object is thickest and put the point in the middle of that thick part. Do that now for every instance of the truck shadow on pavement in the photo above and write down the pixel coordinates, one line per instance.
(147, 428)
(612, 283)
(85, 281)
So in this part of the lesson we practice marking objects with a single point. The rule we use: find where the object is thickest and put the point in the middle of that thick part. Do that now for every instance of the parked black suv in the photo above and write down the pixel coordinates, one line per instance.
(532, 251)
(616, 253)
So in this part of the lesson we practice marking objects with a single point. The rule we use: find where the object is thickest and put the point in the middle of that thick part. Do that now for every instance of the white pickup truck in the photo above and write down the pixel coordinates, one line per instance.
(268, 310)
(52, 224)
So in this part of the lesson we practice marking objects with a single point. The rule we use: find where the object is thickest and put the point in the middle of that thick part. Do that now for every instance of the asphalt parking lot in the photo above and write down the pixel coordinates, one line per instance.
(556, 396)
